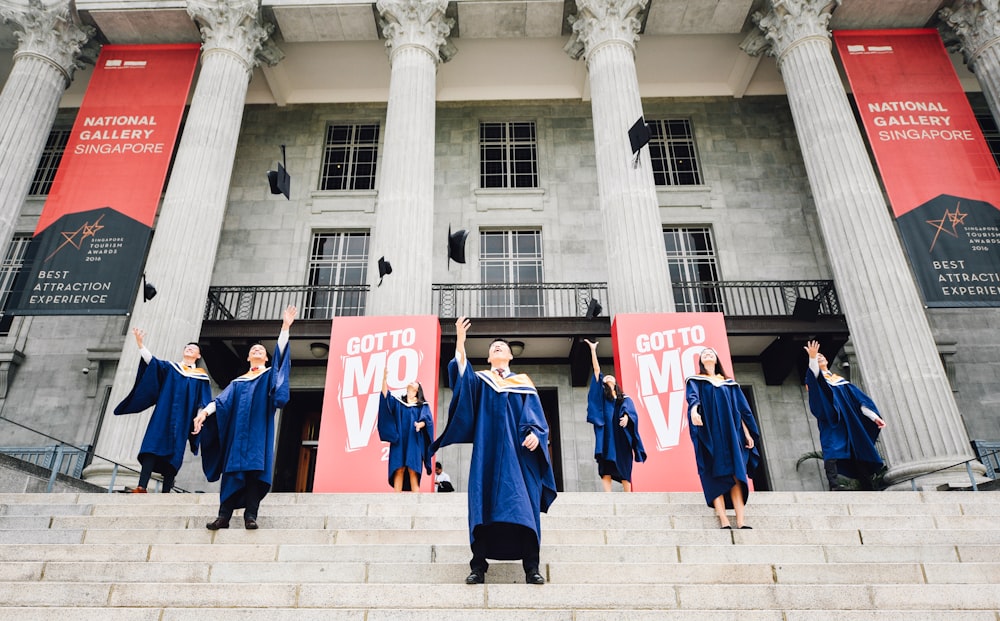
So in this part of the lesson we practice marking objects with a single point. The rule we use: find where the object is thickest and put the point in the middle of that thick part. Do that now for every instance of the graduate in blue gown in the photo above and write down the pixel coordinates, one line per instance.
(848, 421)
(616, 427)
(175, 391)
(510, 477)
(406, 423)
(238, 441)
(724, 433)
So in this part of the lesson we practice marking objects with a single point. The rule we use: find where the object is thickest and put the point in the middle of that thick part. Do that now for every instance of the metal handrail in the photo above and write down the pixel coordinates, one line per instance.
(753, 298)
(770, 298)
(968, 469)
(68, 448)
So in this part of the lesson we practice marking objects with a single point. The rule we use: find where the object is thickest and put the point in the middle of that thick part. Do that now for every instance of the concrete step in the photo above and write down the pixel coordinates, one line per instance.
(810, 556)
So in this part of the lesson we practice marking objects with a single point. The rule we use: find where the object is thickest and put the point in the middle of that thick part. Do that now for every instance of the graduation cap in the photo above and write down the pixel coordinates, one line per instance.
(148, 290)
(594, 309)
(384, 268)
(638, 135)
(280, 180)
(456, 245)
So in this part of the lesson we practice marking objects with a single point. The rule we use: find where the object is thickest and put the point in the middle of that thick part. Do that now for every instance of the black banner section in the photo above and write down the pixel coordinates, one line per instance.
(85, 263)
(954, 248)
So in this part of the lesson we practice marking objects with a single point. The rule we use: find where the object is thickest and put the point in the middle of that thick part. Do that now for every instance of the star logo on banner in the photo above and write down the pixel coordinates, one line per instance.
(949, 219)
(75, 238)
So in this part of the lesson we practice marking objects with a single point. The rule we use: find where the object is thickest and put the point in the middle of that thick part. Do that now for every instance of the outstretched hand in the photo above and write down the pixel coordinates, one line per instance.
(812, 348)
(139, 335)
(288, 316)
(593, 344)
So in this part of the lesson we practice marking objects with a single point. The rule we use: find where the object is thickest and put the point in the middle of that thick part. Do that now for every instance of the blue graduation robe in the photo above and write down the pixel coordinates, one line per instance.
(615, 447)
(407, 446)
(508, 484)
(239, 438)
(844, 432)
(175, 393)
(719, 444)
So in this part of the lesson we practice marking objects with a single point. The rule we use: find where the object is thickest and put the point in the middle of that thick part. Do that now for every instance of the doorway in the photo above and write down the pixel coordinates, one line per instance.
(298, 440)
(550, 404)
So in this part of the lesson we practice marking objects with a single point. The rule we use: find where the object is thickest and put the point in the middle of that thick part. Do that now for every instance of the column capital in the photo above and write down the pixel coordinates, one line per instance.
(977, 24)
(48, 32)
(233, 27)
(790, 22)
(604, 21)
(417, 23)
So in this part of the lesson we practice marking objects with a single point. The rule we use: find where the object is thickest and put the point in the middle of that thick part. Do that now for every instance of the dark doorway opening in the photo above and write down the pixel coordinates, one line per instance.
(298, 439)
(550, 404)
(761, 478)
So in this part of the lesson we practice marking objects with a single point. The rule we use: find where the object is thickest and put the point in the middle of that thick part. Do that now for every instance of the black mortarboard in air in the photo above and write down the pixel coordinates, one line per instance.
(638, 136)
(456, 245)
(384, 268)
(279, 180)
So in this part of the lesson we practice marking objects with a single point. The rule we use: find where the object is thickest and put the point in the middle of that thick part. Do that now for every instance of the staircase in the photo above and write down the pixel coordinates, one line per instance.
(811, 556)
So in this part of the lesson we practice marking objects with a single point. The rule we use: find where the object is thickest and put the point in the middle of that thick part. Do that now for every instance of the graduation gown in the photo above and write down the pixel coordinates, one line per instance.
(844, 432)
(508, 484)
(407, 446)
(239, 438)
(175, 393)
(719, 444)
(615, 447)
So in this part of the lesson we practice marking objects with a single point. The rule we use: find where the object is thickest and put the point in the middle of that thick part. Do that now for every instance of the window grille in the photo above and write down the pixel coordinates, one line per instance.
(673, 154)
(691, 259)
(337, 259)
(508, 155)
(511, 257)
(349, 157)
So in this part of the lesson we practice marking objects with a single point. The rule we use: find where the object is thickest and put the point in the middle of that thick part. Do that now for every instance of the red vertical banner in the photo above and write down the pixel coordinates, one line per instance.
(90, 243)
(942, 181)
(654, 354)
(351, 458)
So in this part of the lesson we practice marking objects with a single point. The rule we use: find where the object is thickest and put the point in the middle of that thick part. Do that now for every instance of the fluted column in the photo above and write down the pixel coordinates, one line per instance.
(605, 33)
(977, 24)
(49, 42)
(416, 38)
(182, 254)
(898, 358)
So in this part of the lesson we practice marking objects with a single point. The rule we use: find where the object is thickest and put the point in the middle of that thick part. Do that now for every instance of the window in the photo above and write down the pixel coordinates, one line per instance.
(508, 155)
(991, 133)
(691, 258)
(671, 149)
(349, 157)
(51, 156)
(338, 261)
(511, 260)
(12, 263)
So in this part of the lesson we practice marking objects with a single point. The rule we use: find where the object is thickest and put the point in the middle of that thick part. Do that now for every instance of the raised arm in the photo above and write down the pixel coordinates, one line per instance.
(812, 348)
(593, 358)
(139, 336)
(461, 328)
(287, 318)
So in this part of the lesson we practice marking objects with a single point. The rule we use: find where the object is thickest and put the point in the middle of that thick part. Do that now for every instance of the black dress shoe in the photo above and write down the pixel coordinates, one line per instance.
(250, 523)
(217, 523)
(476, 577)
(534, 578)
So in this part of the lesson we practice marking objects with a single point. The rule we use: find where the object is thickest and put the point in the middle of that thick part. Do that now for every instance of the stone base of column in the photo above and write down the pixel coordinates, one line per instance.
(104, 474)
(933, 475)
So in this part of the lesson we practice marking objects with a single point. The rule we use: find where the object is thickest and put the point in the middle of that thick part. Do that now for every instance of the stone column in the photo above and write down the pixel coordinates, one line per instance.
(49, 42)
(416, 33)
(895, 347)
(977, 24)
(605, 33)
(182, 254)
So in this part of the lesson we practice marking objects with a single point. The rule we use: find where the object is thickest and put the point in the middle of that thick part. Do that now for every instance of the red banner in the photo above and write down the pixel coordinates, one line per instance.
(942, 181)
(91, 239)
(654, 355)
(351, 458)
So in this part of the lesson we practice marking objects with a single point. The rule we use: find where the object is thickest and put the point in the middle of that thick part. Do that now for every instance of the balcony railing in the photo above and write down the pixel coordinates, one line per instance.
(314, 302)
(754, 298)
(541, 300)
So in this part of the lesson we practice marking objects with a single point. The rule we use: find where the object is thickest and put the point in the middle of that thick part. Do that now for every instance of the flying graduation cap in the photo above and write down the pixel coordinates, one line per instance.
(638, 135)
(384, 268)
(280, 180)
(456, 245)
